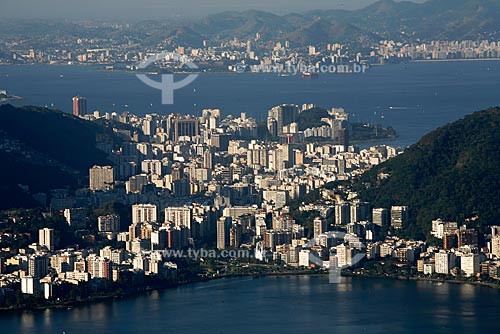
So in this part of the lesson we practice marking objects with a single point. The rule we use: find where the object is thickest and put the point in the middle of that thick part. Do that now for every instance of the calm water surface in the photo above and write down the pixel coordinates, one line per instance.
(414, 98)
(280, 305)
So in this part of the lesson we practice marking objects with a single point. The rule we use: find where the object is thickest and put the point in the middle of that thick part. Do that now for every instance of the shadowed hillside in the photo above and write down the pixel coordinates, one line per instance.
(452, 173)
(45, 149)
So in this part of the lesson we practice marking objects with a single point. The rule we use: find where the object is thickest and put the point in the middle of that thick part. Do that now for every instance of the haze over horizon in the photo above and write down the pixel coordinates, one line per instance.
(155, 9)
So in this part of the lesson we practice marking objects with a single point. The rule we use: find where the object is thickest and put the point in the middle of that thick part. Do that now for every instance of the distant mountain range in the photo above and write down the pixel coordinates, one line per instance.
(42, 149)
(452, 173)
(385, 19)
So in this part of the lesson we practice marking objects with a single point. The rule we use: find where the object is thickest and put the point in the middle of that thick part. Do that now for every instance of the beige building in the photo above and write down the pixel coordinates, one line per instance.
(101, 177)
(46, 238)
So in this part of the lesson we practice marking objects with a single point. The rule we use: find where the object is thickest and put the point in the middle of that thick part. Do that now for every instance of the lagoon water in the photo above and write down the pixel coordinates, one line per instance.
(297, 304)
(414, 98)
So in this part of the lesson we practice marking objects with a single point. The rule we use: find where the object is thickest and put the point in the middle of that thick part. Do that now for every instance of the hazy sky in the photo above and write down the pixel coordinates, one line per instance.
(144, 9)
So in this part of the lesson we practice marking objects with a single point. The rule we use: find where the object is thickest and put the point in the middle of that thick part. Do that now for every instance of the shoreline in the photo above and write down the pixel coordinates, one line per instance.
(451, 60)
(425, 279)
(11, 98)
(111, 297)
(374, 140)
(97, 67)
(114, 296)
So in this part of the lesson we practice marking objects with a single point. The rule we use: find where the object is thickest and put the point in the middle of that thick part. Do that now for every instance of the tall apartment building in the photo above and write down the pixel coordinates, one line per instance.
(449, 240)
(99, 267)
(380, 217)
(79, 106)
(38, 266)
(281, 115)
(151, 167)
(144, 213)
(469, 264)
(109, 223)
(342, 213)
(319, 226)
(466, 237)
(63, 262)
(399, 216)
(185, 128)
(180, 216)
(76, 217)
(46, 238)
(444, 261)
(235, 234)
(495, 245)
(115, 255)
(101, 177)
(360, 211)
(223, 228)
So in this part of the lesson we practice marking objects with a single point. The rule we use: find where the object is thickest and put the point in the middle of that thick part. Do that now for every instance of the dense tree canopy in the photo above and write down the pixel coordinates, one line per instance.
(452, 173)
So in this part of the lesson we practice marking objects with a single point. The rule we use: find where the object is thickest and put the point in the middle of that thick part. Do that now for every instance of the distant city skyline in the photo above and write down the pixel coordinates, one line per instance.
(155, 9)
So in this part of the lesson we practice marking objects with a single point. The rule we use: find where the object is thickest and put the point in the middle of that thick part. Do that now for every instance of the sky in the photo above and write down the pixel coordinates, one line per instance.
(155, 9)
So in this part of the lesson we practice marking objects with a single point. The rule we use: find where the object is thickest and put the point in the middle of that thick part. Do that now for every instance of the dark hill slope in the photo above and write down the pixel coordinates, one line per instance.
(45, 149)
(452, 173)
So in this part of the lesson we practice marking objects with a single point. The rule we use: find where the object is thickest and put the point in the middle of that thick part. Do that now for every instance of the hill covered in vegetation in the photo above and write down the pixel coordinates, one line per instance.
(43, 149)
(452, 173)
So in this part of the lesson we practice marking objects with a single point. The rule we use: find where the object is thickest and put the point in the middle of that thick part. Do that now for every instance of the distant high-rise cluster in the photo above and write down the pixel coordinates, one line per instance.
(79, 106)
(280, 116)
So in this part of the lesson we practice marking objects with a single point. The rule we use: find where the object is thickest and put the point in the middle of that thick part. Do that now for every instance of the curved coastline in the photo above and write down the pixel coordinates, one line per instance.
(116, 296)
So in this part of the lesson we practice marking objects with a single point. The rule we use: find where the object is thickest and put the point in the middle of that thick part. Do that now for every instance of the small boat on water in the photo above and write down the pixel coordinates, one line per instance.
(309, 75)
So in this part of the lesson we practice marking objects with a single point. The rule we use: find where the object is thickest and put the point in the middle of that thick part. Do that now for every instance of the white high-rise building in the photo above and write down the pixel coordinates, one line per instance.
(344, 255)
(399, 216)
(223, 226)
(144, 213)
(320, 226)
(469, 264)
(29, 285)
(46, 238)
(444, 261)
(495, 246)
(109, 223)
(151, 167)
(304, 257)
(180, 216)
(380, 217)
(342, 213)
(101, 177)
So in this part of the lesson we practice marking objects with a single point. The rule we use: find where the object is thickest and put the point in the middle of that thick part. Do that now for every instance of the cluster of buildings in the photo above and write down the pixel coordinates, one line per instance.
(438, 50)
(193, 181)
(189, 181)
(125, 53)
(348, 232)
(45, 271)
(461, 254)
(282, 122)
(343, 233)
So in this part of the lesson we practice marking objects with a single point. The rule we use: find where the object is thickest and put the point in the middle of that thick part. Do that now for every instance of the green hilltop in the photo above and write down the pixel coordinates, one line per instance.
(451, 173)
